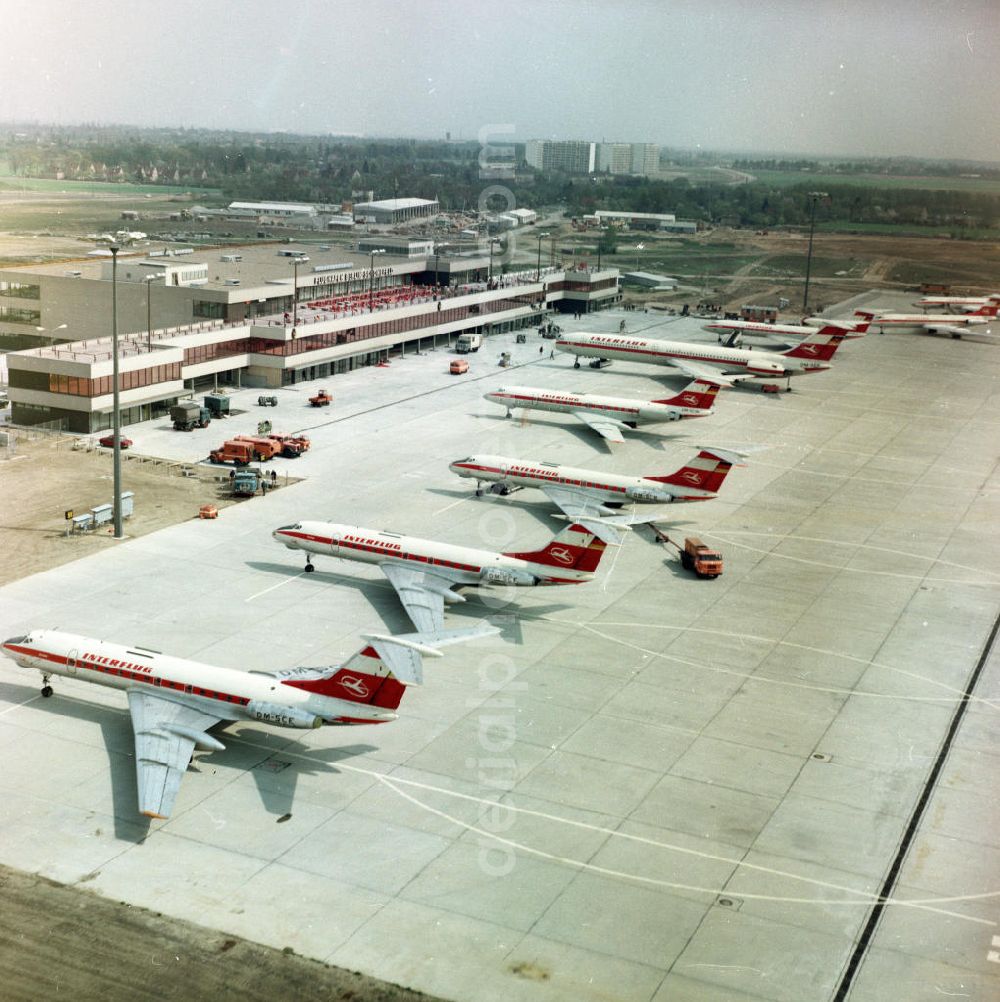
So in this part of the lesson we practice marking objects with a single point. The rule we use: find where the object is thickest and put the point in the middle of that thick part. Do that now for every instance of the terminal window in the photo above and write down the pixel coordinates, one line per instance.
(15, 315)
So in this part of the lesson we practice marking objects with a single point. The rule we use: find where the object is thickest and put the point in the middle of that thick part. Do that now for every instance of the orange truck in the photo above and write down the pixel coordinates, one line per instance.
(322, 399)
(263, 447)
(291, 445)
(697, 557)
(240, 453)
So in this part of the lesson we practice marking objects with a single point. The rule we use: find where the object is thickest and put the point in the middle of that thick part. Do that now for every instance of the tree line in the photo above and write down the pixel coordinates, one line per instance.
(332, 169)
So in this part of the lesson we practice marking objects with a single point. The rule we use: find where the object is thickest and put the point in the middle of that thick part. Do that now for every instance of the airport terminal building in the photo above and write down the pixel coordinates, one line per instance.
(260, 317)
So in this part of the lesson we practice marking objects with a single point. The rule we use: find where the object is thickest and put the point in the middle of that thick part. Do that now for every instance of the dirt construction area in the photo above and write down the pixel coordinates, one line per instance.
(139, 955)
(44, 477)
(48, 948)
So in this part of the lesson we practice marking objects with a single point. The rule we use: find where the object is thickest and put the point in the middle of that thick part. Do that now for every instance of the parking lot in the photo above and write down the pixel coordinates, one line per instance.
(649, 787)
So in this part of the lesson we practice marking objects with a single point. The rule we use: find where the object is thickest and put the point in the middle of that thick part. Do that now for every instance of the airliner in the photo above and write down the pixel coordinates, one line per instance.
(585, 494)
(955, 325)
(173, 702)
(705, 361)
(424, 572)
(959, 304)
(731, 332)
(609, 416)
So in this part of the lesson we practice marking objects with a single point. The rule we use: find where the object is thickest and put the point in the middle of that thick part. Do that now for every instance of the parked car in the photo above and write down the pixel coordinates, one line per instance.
(109, 441)
(458, 366)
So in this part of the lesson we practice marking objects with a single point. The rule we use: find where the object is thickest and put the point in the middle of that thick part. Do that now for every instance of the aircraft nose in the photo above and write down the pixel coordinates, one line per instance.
(14, 641)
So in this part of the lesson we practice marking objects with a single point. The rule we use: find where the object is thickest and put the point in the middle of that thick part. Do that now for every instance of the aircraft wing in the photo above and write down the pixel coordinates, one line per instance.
(952, 329)
(605, 426)
(706, 372)
(166, 733)
(575, 503)
(422, 593)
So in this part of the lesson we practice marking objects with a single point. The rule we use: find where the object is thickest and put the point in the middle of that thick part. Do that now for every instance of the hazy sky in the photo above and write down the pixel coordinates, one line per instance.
(871, 77)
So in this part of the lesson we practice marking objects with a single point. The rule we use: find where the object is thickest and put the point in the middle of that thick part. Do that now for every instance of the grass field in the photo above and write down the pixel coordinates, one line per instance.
(9, 182)
(905, 230)
(785, 179)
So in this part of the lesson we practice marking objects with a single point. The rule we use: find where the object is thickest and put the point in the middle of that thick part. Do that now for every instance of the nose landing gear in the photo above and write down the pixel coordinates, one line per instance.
(46, 688)
(309, 566)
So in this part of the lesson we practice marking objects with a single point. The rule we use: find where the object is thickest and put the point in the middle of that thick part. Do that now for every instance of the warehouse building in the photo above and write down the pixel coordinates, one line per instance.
(393, 211)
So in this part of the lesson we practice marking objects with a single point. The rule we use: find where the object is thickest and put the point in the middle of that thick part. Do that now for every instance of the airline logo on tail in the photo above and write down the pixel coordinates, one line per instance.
(355, 685)
(691, 477)
(575, 547)
(690, 399)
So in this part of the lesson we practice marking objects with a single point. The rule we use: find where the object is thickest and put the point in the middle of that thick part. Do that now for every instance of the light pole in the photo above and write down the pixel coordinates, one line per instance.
(149, 279)
(296, 261)
(814, 197)
(116, 423)
(371, 278)
(493, 240)
(538, 260)
(638, 248)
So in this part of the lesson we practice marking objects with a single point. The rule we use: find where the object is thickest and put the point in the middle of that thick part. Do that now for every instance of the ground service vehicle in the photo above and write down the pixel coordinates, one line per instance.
(458, 366)
(217, 404)
(245, 483)
(697, 557)
(263, 447)
(291, 445)
(240, 453)
(322, 399)
(468, 342)
(263, 401)
(188, 415)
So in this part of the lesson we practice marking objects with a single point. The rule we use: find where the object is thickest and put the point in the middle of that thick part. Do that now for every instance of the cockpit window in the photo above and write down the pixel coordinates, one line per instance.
(290, 528)
(18, 640)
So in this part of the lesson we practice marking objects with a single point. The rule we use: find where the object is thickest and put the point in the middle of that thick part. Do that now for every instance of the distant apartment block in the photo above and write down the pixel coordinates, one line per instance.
(577, 157)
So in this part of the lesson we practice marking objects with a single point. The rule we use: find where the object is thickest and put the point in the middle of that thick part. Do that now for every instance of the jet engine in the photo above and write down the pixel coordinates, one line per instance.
(285, 716)
(647, 494)
(506, 576)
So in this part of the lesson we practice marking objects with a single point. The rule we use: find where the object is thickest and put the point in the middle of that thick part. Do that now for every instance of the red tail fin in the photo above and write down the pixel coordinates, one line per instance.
(987, 310)
(699, 394)
(867, 315)
(574, 548)
(363, 678)
(705, 472)
(819, 347)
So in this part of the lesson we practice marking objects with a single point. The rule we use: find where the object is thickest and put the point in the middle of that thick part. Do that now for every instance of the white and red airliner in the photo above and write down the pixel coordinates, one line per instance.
(732, 332)
(584, 494)
(608, 416)
(959, 304)
(173, 702)
(955, 325)
(707, 361)
(424, 572)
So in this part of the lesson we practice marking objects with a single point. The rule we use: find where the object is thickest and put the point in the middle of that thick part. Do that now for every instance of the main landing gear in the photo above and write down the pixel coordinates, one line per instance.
(576, 362)
(46, 688)
(309, 566)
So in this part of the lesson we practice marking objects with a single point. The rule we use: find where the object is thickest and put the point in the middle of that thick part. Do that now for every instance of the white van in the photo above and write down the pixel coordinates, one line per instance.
(468, 342)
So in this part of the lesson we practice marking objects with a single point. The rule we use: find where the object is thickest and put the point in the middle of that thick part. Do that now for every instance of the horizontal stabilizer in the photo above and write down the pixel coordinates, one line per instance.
(403, 653)
(605, 529)
(733, 454)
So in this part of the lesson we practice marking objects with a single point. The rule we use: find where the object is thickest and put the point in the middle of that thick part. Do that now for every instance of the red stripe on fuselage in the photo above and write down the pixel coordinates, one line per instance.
(119, 671)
